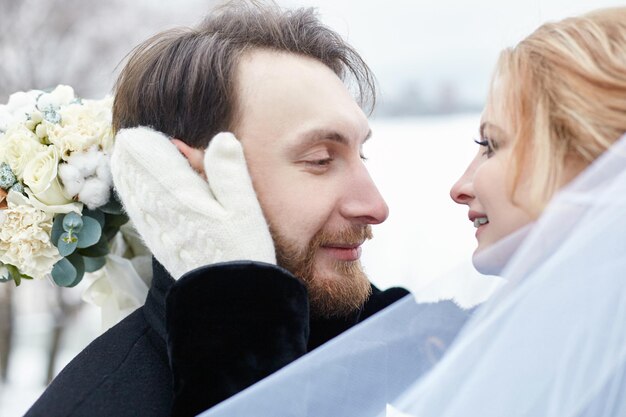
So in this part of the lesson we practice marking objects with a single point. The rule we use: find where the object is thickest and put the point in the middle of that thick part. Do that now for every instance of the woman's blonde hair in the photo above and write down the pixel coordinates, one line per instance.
(564, 89)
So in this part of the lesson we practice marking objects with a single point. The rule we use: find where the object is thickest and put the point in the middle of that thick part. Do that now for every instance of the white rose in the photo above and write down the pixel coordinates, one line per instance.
(18, 146)
(40, 175)
(60, 96)
(25, 238)
(62, 208)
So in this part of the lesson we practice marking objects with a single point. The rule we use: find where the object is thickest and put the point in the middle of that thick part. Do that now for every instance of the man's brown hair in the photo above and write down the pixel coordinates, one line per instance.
(181, 81)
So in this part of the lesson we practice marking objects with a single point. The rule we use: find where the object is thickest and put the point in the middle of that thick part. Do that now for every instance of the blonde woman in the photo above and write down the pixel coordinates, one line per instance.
(557, 102)
(547, 193)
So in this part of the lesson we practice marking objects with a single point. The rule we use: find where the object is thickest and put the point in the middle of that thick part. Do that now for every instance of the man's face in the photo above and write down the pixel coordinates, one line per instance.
(303, 134)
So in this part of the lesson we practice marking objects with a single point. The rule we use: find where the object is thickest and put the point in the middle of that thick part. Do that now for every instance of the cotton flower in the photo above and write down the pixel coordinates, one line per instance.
(86, 162)
(86, 176)
(95, 193)
(71, 178)
(25, 238)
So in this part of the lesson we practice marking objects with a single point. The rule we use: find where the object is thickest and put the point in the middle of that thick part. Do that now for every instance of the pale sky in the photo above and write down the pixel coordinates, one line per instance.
(442, 41)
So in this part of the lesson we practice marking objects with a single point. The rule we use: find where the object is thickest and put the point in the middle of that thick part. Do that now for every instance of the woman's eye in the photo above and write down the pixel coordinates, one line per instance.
(363, 157)
(489, 144)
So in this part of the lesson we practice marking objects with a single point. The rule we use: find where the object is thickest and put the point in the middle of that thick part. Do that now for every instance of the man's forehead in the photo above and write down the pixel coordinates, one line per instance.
(287, 95)
(267, 73)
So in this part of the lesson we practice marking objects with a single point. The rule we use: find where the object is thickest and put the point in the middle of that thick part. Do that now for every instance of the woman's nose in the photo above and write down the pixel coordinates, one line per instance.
(462, 192)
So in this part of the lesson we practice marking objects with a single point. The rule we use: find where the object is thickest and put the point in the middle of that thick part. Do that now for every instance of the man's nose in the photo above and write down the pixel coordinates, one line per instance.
(462, 192)
(362, 201)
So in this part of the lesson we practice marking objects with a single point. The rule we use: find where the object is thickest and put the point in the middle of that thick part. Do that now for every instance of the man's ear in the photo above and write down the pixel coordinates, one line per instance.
(193, 155)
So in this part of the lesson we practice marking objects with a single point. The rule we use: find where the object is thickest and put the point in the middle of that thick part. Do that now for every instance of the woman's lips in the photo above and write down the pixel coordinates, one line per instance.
(343, 253)
(480, 229)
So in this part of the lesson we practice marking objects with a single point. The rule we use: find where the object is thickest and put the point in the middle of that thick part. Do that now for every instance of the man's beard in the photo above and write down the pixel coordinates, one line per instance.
(336, 293)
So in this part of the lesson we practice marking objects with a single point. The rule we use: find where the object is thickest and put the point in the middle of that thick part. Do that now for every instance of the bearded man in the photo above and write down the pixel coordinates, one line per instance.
(257, 233)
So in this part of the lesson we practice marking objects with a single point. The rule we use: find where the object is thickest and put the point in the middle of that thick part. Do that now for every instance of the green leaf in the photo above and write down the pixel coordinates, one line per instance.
(69, 271)
(57, 228)
(79, 263)
(113, 206)
(15, 274)
(90, 234)
(72, 221)
(116, 220)
(113, 225)
(64, 273)
(94, 214)
(99, 249)
(66, 244)
(94, 264)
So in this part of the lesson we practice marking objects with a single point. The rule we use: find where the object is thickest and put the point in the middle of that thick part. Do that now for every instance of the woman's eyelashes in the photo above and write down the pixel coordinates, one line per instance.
(490, 145)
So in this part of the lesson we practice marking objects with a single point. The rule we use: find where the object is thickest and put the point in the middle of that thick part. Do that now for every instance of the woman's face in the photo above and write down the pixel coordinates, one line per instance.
(495, 209)
(485, 185)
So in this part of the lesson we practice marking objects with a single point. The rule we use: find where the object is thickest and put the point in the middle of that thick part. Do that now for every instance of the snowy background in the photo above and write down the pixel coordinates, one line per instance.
(433, 60)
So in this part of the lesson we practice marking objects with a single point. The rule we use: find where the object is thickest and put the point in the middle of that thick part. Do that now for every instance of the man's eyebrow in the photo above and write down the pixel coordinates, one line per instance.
(317, 135)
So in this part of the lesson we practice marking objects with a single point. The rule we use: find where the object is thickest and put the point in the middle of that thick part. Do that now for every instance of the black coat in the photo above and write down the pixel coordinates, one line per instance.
(196, 342)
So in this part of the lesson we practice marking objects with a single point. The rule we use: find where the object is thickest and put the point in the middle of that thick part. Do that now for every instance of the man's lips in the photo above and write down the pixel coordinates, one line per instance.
(343, 252)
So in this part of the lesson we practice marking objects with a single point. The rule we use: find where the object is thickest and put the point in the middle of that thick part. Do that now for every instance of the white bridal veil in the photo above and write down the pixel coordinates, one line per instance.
(551, 342)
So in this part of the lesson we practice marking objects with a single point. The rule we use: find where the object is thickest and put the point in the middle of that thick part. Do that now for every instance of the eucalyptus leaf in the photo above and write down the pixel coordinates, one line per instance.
(90, 233)
(67, 245)
(79, 264)
(57, 228)
(99, 249)
(94, 214)
(64, 273)
(72, 221)
(94, 264)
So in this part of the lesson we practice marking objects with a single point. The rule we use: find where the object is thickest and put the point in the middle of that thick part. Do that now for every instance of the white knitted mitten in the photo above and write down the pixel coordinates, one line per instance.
(184, 220)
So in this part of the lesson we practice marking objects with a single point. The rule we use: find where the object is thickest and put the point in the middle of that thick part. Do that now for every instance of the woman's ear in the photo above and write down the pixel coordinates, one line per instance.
(193, 155)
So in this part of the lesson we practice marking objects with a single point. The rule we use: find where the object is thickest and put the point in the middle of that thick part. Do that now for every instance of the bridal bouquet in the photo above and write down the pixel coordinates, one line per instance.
(58, 214)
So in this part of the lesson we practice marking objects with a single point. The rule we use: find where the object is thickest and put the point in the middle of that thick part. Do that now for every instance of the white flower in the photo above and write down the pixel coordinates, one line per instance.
(25, 238)
(71, 178)
(60, 96)
(40, 175)
(95, 193)
(21, 104)
(18, 146)
(61, 208)
(82, 126)
(6, 118)
(87, 176)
